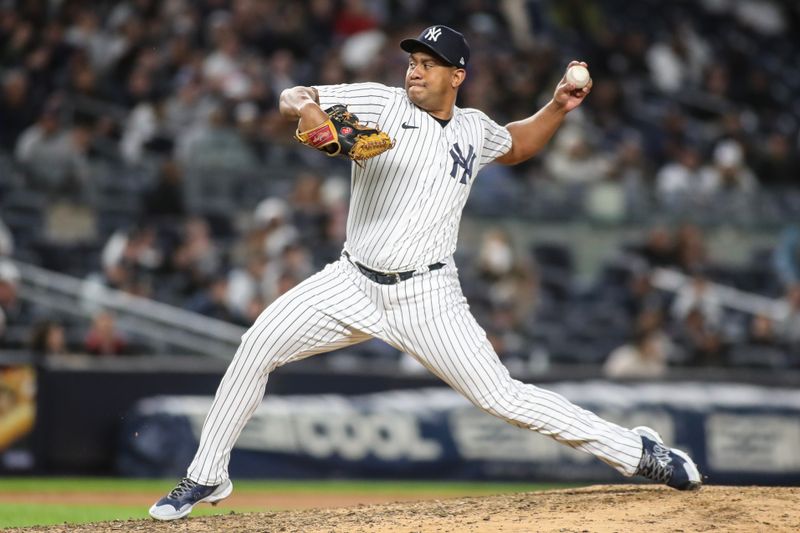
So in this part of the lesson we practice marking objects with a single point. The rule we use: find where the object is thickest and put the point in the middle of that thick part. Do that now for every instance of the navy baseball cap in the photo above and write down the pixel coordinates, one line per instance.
(446, 43)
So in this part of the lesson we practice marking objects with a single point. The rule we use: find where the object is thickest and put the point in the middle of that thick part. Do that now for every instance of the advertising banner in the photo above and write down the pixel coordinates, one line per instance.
(736, 433)
(17, 417)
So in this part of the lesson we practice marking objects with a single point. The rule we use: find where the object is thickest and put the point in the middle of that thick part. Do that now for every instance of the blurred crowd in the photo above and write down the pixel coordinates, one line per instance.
(626, 318)
(141, 146)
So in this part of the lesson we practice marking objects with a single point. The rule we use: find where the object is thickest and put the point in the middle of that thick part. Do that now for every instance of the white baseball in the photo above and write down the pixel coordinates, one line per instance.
(578, 75)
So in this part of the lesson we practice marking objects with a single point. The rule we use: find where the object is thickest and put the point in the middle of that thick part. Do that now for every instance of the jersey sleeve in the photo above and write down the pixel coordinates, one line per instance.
(365, 100)
(496, 140)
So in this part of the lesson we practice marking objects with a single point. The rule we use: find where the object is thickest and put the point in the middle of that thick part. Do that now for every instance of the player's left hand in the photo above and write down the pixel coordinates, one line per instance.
(567, 95)
(342, 133)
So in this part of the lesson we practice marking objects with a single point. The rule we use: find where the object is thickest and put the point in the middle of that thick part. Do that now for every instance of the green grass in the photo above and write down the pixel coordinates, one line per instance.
(24, 515)
(20, 515)
(60, 485)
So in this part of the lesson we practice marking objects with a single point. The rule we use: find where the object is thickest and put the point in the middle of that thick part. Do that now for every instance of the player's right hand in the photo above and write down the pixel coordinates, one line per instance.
(566, 95)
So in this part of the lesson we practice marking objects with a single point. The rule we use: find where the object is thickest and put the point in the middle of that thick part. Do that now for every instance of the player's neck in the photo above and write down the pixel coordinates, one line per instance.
(442, 115)
(438, 114)
(443, 111)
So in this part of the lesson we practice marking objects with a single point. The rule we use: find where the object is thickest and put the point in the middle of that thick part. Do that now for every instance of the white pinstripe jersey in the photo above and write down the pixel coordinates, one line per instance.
(406, 204)
(404, 214)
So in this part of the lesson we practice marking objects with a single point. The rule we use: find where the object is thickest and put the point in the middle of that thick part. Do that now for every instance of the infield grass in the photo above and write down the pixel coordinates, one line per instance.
(51, 493)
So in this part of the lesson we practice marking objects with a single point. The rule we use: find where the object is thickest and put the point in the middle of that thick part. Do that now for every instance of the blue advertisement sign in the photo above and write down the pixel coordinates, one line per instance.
(736, 433)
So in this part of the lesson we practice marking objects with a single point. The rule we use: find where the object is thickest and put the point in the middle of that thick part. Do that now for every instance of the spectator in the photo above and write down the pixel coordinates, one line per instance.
(212, 300)
(289, 268)
(248, 124)
(641, 296)
(197, 258)
(630, 168)
(691, 248)
(296, 261)
(164, 200)
(702, 343)
(786, 256)
(139, 86)
(11, 309)
(659, 248)
(246, 288)
(82, 83)
(17, 107)
(48, 339)
(223, 69)
(130, 258)
(145, 129)
(679, 182)
(334, 195)
(679, 61)
(762, 331)
(215, 145)
(87, 34)
(354, 17)
(644, 357)
(103, 338)
(504, 328)
(728, 172)
(309, 214)
(274, 227)
(188, 107)
(281, 69)
(777, 163)
(764, 346)
(698, 296)
(574, 159)
(6, 241)
(788, 326)
(286, 280)
(56, 157)
(501, 273)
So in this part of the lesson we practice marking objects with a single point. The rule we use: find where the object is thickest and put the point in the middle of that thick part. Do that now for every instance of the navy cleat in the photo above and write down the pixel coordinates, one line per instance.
(179, 502)
(666, 465)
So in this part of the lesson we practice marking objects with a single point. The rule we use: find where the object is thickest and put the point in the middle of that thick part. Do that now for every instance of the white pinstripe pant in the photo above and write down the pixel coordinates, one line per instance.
(426, 316)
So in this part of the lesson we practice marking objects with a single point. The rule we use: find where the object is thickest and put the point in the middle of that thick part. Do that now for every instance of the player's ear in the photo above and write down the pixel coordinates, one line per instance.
(458, 77)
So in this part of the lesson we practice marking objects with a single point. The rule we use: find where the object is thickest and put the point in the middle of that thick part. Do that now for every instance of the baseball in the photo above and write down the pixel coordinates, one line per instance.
(578, 75)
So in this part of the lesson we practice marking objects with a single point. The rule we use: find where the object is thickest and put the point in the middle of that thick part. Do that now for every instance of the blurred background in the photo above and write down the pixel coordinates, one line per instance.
(152, 202)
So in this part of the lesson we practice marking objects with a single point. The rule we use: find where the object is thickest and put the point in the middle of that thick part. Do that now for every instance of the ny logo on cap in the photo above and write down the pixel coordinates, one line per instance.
(433, 33)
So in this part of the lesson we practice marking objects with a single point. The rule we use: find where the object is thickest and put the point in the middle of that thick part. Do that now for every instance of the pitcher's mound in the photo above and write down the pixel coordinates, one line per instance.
(605, 508)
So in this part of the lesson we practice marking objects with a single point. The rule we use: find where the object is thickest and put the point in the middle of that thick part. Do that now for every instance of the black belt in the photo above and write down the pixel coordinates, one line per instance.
(388, 278)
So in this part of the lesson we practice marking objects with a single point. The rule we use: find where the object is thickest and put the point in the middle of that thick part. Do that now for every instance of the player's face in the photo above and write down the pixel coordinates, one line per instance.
(430, 81)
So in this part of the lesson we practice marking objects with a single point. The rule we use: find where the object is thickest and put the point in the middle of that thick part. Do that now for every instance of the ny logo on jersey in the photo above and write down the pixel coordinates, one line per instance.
(464, 162)
(433, 34)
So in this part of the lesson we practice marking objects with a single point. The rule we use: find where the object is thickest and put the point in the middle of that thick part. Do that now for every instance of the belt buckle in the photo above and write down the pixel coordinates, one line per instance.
(396, 277)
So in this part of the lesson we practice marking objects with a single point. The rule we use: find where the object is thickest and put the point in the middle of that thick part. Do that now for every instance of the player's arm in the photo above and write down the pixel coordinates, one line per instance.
(302, 103)
(530, 135)
(335, 130)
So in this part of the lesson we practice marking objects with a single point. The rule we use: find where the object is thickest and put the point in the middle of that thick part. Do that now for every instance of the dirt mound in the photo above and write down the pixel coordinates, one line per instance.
(619, 508)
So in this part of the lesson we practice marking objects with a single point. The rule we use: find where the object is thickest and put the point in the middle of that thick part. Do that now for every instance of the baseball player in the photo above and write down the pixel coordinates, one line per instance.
(396, 279)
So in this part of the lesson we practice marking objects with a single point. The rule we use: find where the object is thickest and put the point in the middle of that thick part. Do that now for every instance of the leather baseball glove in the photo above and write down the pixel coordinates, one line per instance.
(343, 134)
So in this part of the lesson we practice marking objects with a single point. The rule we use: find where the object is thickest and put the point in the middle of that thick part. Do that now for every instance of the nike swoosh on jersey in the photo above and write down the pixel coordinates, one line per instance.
(408, 127)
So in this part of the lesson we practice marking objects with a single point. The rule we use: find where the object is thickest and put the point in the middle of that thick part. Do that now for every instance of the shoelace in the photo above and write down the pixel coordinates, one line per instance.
(656, 465)
(185, 485)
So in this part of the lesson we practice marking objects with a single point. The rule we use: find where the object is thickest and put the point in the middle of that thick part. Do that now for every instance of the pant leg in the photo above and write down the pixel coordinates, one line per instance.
(428, 317)
(325, 312)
